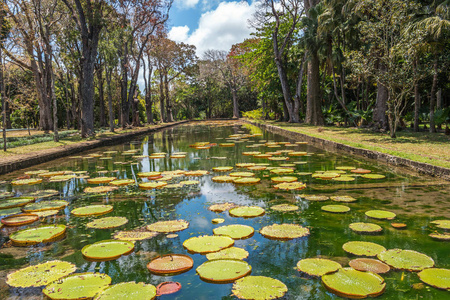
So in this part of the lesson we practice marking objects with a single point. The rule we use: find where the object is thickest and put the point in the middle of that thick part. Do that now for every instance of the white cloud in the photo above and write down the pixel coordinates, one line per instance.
(218, 29)
(186, 3)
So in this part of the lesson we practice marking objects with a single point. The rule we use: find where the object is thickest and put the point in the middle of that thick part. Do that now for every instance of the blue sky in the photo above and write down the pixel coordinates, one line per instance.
(210, 24)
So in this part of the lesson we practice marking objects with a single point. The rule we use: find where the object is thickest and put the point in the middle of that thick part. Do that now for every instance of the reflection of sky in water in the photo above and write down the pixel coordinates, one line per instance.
(271, 258)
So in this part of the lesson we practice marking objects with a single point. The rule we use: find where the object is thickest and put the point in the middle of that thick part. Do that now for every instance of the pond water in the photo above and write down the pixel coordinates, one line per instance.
(417, 201)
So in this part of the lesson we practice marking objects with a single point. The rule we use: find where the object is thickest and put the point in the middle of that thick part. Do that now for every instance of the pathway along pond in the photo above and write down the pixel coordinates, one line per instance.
(417, 201)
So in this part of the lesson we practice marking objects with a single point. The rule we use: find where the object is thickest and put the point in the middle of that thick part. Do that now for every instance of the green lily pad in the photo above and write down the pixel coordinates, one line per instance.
(350, 283)
(5, 194)
(77, 286)
(41, 274)
(168, 226)
(222, 169)
(284, 231)
(369, 265)
(152, 185)
(45, 205)
(42, 194)
(346, 199)
(443, 224)
(19, 220)
(128, 290)
(247, 211)
(280, 171)
(37, 172)
(207, 244)
(343, 179)
(335, 208)
(223, 178)
(148, 174)
(221, 207)
(259, 288)
(438, 278)
(170, 264)
(380, 214)
(134, 235)
(246, 181)
(46, 213)
(280, 179)
(242, 174)
(284, 207)
(406, 259)
(10, 211)
(36, 235)
(231, 252)
(363, 248)
(121, 182)
(92, 210)
(217, 220)
(315, 197)
(107, 250)
(100, 189)
(236, 231)
(99, 180)
(373, 176)
(61, 178)
(223, 270)
(107, 222)
(440, 236)
(15, 202)
(30, 181)
(361, 227)
(317, 266)
(345, 168)
(290, 186)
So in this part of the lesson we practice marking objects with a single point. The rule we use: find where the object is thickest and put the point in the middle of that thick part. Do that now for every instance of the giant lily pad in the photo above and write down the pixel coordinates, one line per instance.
(231, 252)
(221, 207)
(222, 169)
(350, 283)
(207, 244)
(223, 178)
(315, 197)
(343, 179)
(170, 264)
(98, 180)
(5, 194)
(247, 211)
(107, 250)
(440, 236)
(41, 274)
(284, 231)
(360, 171)
(45, 205)
(10, 211)
(443, 224)
(107, 222)
(36, 235)
(92, 210)
(19, 220)
(369, 265)
(37, 172)
(42, 194)
(280, 179)
(259, 288)
(61, 178)
(167, 287)
(134, 235)
(128, 290)
(280, 171)
(100, 189)
(242, 174)
(363, 248)
(335, 208)
(346, 199)
(148, 174)
(284, 207)
(361, 227)
(50, 174)
(373, 176)
(235, 231)
(223, 270)
(438, 278)
(246, 181)
(46, 213)
(15, 202)
(77, 286)
(406, 259)
(380, 214)
(317, 266)
(152, 185)
(196, 173)
(26, 181)
(290, 186)
(122, 182)
(168, 226)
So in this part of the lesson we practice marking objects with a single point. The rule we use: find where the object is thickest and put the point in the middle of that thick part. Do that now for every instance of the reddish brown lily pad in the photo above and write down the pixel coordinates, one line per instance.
(369, 265)
(170, 264)
(167, 287)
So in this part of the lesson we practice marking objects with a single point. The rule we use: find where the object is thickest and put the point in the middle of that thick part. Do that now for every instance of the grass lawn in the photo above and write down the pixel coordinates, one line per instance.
(431, 148)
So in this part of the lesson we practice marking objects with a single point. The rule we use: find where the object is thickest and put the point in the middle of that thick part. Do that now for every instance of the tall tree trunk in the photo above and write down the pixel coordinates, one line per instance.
(416, 106)
(235, 103)
(2, 94)
(379, 117)
(433, 96)
(161, 96)
(87, 88)
(101, 95)
(313, 102)
(148, 92)
(169, 115)
(55, 109)
(110, 106)
(124, 87)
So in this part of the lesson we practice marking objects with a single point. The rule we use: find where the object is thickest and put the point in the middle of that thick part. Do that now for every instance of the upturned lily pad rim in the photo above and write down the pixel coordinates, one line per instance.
(105, 243)
(61, 230)
(45, 205)
(44, 278)
(185, 261)
(176, 288)
(433, 277)
(87, 210)
(245, 269)
(381, 267)
(9, 221)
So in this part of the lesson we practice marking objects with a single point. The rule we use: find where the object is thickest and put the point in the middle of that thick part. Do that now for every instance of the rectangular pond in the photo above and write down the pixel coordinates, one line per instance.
(329, 179)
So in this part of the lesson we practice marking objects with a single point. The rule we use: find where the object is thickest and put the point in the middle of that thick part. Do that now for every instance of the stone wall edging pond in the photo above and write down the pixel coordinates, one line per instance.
(28, 160)
(419, 167)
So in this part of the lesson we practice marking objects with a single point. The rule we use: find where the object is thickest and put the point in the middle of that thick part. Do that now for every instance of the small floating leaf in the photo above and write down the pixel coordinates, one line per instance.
(223, 270)
(350, 283)
(217, 221)
(406, 259)
(284, 231)
(438, 278)
(168, 226)
(207, 244)
(317, 266)
(77, 286)
(107, 250)
(259, 288)
(363, 248)
(231, 252)
(128, 290)
(235, 231)
(167, 288)
(41, 274)
(170, 264)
